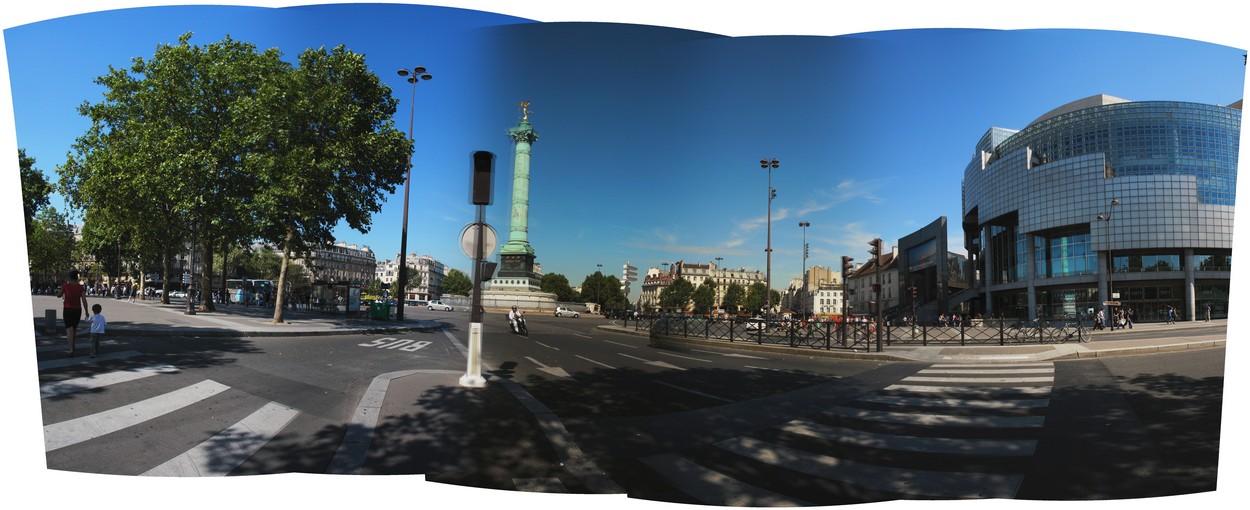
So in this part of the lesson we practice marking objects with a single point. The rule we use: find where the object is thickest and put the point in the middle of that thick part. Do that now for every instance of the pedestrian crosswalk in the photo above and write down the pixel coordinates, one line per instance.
(217, 455)
(950, 431)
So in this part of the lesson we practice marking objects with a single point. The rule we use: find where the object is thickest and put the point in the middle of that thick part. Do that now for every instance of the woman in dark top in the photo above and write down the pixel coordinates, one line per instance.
(75, 306)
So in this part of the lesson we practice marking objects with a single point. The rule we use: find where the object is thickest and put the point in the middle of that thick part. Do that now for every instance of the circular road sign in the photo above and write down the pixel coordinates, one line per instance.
(468, 240)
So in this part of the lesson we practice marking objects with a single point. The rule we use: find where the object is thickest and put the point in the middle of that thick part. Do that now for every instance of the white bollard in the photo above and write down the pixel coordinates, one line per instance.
(473, 374)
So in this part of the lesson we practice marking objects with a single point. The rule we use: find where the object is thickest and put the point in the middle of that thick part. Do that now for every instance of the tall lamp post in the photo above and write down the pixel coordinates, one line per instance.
(415, 75)
(598, 282)
(769, 165)
(1110, 263)
(804, 225)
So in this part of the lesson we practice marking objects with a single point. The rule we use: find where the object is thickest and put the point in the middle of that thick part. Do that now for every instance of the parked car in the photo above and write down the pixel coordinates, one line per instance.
(562, 311)
(438, 305)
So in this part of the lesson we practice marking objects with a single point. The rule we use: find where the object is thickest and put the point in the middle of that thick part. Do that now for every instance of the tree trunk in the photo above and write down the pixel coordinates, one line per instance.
(166, 261)
(281, 298)
(206, 279)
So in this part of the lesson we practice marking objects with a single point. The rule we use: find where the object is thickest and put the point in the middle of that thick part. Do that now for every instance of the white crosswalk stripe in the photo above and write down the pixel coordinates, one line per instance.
(948, 431)
(229, 448)
(218, 455)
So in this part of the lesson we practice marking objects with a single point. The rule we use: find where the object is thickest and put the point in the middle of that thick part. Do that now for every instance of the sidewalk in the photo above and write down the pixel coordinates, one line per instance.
(151, 318)
(1164, 338)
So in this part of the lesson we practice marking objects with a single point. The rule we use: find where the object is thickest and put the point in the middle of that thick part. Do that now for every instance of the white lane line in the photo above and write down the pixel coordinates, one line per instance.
(220, 454)
(939, 420)
(712, 487)
(938, 445)
(459, 347)
(652, 363)
(81, 343)
(981, 365)
(595, 362)
(83, 359)
(66, 433)
(905, 481)
(583, 336)
(684, 357)
(547, 346)
(350, 455)
(982, 380)
(574, 460)
(621, 344)
(55, 388)
(955, 402)
(972, 391)
(728, 355)
(987, 371)
(688, 390)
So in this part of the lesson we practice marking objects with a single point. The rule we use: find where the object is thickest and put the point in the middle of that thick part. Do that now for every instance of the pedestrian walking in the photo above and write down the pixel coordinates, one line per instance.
(1098, 320)
(1128, 317)
(1208, 313)
(73, 306)
(1171, 315)
(98, 324)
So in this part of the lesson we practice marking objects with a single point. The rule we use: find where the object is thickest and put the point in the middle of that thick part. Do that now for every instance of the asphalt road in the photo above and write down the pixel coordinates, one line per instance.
(702, 425)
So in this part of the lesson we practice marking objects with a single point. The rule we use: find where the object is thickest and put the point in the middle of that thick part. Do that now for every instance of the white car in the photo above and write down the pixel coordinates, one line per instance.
(438, 305)
(561, 311)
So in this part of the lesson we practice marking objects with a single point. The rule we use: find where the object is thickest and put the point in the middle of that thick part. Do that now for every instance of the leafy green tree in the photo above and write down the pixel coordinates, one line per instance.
(705, 296)
(328, 151)
(677, 295)
(557, 284)
(50, 245)
(755, 298)
(414, 280)
(163, 158)
(734, 297)
(35, 188)
(457, 283)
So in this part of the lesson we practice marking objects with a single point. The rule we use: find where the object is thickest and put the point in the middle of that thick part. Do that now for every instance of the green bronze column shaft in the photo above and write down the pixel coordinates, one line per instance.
(518, 236)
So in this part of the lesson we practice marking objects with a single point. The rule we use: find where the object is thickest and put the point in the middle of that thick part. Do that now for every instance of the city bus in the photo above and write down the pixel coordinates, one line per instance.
(245, 291)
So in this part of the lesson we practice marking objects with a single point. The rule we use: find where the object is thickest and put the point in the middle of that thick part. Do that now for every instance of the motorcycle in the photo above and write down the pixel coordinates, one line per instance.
(518, 326)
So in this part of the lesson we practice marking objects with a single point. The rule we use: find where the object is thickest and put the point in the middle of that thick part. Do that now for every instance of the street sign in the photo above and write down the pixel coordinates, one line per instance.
(1111, 303)
(468, 240)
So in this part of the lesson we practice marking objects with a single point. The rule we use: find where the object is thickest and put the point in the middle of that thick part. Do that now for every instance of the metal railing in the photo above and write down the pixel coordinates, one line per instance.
(863, 335)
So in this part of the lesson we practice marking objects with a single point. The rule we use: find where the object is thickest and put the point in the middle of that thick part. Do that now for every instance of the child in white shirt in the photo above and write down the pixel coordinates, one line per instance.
(97, 328)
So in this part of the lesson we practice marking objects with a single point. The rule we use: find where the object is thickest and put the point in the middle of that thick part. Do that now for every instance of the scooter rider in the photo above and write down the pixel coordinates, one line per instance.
(512, 316)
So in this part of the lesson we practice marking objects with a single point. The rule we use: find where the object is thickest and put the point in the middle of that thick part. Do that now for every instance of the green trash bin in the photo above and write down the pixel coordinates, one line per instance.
(380, 310)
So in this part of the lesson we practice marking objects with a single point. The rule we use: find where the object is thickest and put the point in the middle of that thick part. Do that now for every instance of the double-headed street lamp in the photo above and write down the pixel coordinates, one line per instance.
(1110, 263)
(415, 75)
(769, 165)
(804, 225)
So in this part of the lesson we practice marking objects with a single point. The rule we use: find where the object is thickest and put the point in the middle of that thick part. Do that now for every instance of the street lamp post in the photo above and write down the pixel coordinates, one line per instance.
(716, 294)
(598, 282)
(1110, 263)
(804, 225)
(769, 165)
(415, 75)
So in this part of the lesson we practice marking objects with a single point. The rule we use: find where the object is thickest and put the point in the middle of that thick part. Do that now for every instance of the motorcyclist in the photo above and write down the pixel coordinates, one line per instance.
(512, 316)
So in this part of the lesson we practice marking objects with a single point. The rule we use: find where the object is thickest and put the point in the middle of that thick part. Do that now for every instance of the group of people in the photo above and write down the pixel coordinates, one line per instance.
(74, 306)
(1121, 317)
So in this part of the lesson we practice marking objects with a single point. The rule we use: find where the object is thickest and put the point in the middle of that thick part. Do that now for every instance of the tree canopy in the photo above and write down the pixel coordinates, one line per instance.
(222, 143)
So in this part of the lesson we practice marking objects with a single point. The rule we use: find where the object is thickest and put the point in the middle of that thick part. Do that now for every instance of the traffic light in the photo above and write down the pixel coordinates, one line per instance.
(913, 292)
(805, 250)
(876, 247)
(847, 265)
(772, 193)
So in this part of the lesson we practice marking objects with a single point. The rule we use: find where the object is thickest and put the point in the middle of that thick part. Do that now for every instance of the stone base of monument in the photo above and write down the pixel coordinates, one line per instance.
(504, 299)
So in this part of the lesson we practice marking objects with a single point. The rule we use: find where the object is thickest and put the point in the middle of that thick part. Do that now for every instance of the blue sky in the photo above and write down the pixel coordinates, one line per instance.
(651, 136)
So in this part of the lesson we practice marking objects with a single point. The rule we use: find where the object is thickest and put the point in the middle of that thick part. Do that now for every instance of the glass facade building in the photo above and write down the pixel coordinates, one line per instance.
(1100, 198)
